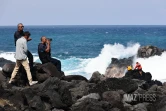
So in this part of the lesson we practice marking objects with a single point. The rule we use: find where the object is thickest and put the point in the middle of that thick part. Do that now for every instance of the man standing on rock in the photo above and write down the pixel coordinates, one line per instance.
(18, 34)
(21, 57)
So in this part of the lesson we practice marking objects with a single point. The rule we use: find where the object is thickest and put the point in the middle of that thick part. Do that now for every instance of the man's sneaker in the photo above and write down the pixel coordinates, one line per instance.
(10, 81)
(32, 83)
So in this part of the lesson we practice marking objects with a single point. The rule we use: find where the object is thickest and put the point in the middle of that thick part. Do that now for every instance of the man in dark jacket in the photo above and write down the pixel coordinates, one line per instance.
(44, 53)
(18, 34)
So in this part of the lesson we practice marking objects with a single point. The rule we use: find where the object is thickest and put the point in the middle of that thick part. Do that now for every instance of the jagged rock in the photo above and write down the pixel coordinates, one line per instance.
(2, 77)
(113, 84)
(140, 107)
(4, 61)
(8, 69)
(91, 95)
(139, 82)
(148, 51)
(115, 109)
(161, 104)
(73, 77)
(148, 84)
(139, 91)
(134, 74)
(50, 69)
(13, 99)
(89, 104)
(57, 109)
(79, 90)
(41, 77)
(114, 98)
(117, 67)
(54, 92)
(97, 77)
(37, 104)
(20, 78)
(2, 109)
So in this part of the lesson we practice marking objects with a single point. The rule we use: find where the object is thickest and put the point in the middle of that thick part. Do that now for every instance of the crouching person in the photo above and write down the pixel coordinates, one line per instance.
(138, 67)
(21, 58)
(44, 52)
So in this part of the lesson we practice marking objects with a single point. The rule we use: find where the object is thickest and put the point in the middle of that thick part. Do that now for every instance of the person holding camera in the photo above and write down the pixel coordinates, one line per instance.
(18, 34)
(44, 52)
(21, 58)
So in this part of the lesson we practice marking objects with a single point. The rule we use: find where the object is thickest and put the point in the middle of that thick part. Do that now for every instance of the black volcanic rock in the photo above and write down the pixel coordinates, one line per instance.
(73, 77)
(41, 77)
(134, 74)
(148, 84)
(4, 61)
(148, 51)
(75, 93)
(54, 92)
(2, 77)
(114, 84)
(118, 66)
(50, 94)
(8, 69)
(96, 77)
(50, 69)
(91, 105)
(114, 98)
(80, 89)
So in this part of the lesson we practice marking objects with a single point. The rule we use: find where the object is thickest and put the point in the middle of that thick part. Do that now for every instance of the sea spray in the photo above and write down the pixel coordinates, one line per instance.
(155, 65)
(10, 56)
(109, 51)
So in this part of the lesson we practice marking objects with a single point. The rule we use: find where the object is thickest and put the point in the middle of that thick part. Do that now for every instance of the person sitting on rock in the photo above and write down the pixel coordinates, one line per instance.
(44, 52)
(138, 67)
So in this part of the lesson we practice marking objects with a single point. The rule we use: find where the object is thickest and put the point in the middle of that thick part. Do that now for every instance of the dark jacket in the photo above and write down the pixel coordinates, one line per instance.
(43, 55)
(17, 35)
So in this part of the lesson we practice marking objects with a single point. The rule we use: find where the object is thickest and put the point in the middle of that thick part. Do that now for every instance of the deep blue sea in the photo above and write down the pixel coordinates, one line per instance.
(85, 49)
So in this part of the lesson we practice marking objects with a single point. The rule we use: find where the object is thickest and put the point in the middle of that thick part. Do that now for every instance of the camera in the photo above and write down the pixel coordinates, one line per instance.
(50, 39)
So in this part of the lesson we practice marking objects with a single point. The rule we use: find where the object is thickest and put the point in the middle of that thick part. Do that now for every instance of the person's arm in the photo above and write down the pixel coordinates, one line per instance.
(48, 46)
(136, 66)
(25, 48)
(16, 36)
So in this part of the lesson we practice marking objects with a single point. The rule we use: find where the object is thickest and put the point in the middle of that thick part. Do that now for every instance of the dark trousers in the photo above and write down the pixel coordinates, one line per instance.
(57, 63)
(30, 58)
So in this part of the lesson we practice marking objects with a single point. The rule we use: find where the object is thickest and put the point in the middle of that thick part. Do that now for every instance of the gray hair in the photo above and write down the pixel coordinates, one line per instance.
(19, 24)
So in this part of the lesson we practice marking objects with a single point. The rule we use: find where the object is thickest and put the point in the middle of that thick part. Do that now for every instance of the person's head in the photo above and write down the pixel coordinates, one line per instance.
(43, 39)
(137, 62)
(20, 27)
(27, 35)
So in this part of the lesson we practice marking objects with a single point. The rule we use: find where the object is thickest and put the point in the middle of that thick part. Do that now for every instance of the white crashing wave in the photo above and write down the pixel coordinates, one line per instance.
(10, 56)
(155, 65)
(109, 51)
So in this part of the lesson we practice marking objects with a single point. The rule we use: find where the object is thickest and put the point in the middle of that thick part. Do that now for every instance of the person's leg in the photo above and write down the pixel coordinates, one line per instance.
(27, 69)
(18, 64)
(30, 59)
(140, 71)
(57, 63)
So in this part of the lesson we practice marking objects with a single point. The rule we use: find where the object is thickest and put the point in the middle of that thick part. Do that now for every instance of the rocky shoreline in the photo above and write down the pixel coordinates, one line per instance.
(57, 92)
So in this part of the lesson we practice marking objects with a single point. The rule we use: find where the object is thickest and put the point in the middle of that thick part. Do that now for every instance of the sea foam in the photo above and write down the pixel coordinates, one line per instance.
(109, 51)
(85, 67)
